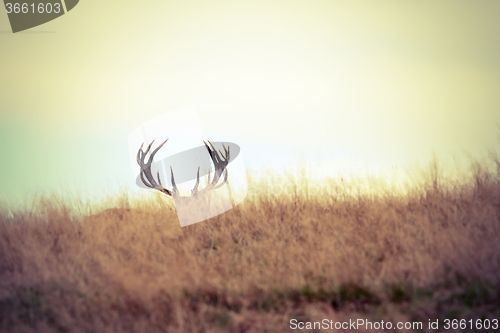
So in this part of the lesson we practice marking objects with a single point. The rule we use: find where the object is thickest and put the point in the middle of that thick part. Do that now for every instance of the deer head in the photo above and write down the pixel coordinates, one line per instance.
(202, 203)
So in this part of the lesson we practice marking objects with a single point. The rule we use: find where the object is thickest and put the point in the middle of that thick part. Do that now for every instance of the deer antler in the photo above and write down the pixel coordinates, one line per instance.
(220, 160)
(146, 176)
(220, 163)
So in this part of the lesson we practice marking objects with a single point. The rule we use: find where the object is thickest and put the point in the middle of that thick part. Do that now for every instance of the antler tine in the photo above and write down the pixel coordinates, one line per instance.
(147, 151)
(212, 151)
(211, 145)
(194, 191)
(157, 148)
(158, 176)
(153, 153)
(146, 181)
(175, 191)
(140, 154)
(224, 182)
(227, 156)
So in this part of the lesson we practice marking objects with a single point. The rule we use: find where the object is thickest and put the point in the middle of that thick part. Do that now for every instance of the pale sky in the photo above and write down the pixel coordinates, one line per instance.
(374, 83)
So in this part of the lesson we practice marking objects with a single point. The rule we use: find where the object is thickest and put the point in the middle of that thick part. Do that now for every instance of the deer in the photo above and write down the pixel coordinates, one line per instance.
(202, 203)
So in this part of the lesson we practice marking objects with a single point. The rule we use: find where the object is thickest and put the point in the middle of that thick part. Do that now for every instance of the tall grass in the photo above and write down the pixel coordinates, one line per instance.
(294, 249)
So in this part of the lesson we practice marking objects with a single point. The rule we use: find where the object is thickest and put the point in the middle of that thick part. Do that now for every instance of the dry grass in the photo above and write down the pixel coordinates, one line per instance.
(433, 253)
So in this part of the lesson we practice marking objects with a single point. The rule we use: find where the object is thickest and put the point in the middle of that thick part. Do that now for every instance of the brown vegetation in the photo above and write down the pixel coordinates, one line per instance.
(433, 253)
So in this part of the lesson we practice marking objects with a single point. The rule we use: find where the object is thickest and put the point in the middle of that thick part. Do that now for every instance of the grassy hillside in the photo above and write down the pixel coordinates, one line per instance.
(431, 253)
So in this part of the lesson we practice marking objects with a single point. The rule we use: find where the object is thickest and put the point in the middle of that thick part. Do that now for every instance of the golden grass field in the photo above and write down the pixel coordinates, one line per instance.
(432, 252)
